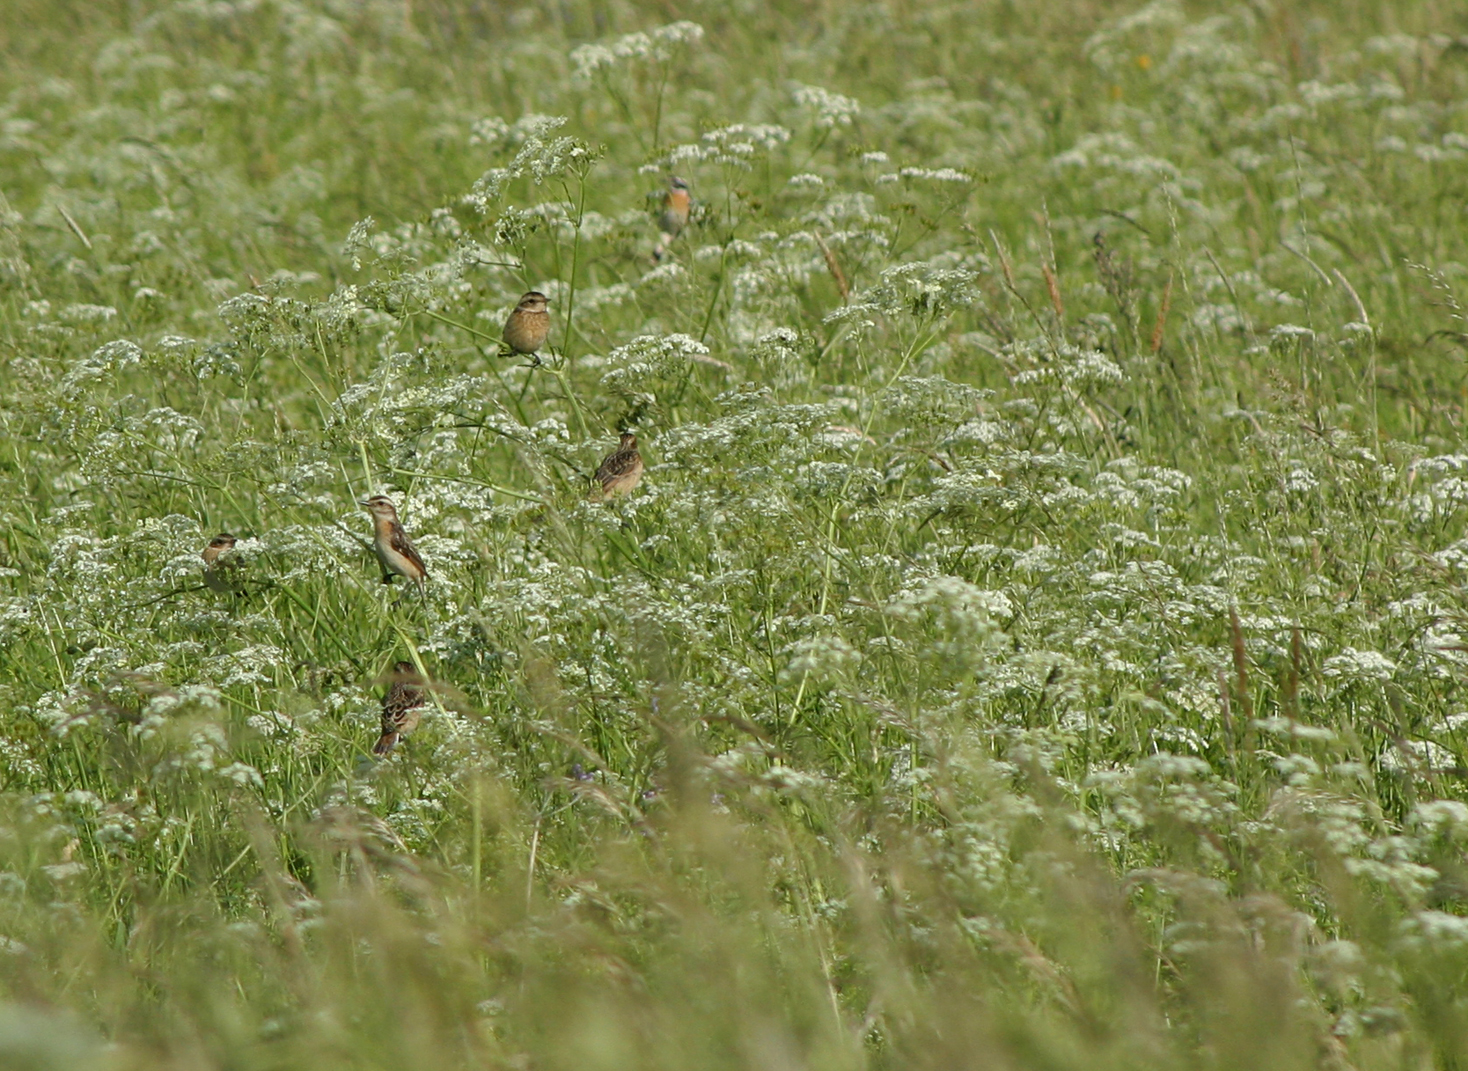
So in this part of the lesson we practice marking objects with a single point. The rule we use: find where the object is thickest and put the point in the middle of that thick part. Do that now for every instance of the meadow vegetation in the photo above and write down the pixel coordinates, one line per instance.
(1038, 640)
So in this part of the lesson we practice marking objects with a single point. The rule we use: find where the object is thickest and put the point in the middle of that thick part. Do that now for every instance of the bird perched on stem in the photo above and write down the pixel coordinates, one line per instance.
(528, 325)
(402, 706)
(620, 471)
(394, 549)
(221, 575)
(677, 204)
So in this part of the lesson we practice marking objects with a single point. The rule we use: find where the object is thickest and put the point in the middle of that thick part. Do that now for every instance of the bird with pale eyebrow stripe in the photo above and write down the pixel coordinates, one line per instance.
(528, 325)
(221, 568)
(677, 205)
(395, 551)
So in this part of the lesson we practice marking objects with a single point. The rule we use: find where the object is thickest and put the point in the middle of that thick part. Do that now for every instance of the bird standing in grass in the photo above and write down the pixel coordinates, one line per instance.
(402, 707)
(620, 471)
(221, 575)
(529, 325)
(394, 549)
(677, 204)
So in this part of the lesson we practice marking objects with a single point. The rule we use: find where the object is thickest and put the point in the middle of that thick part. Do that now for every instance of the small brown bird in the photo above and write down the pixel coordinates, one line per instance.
(221, 575)
(394, 549)
(402, 707)
(620, 471)
(677, 204)
(529, 325)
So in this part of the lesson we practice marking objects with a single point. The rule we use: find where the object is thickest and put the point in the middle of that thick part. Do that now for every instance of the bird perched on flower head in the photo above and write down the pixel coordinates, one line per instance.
(220, 575)
(394, 549)
(402, 707)
(620, 471)
(529, 325)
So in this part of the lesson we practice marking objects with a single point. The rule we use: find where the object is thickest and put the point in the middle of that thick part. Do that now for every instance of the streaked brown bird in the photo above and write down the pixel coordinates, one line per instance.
(395, 551)
(402, 706)
(221, 575)
(529, 325)
(620, 471)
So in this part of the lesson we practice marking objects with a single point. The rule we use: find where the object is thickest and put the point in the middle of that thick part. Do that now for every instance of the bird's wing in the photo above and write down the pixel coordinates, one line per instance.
(618, 464)
(403, 545)
(400, 699)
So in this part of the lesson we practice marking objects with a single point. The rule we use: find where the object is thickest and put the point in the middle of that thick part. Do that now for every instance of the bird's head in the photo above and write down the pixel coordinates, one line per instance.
(380, 506)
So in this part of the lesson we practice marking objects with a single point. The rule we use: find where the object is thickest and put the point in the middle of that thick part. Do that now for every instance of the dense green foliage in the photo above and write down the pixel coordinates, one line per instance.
(1038, 640)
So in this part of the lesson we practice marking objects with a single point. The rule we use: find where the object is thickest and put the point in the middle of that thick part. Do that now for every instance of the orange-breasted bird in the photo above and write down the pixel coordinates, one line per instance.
(677, 203)
(673, 217)
(395, 551)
